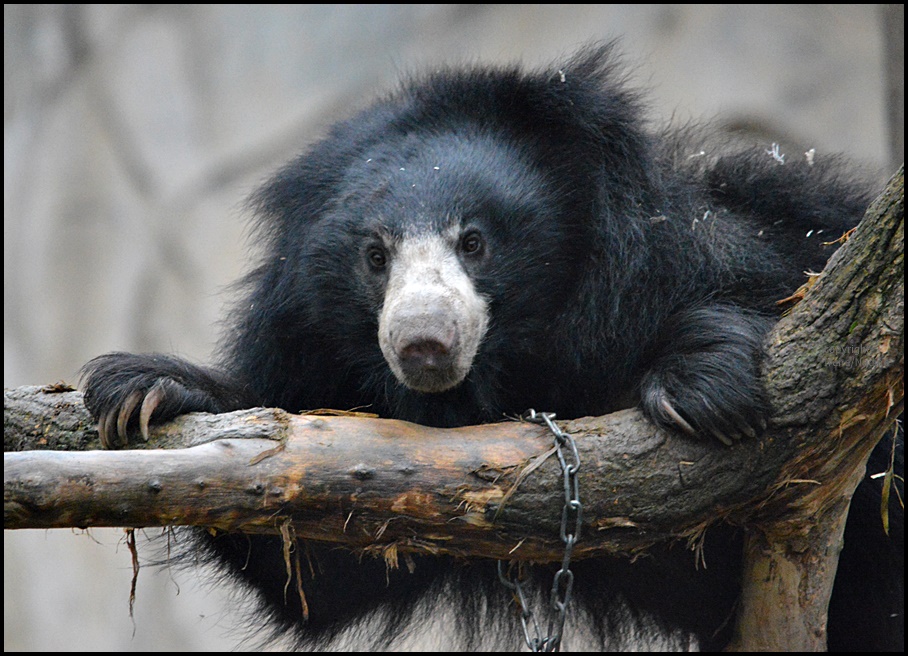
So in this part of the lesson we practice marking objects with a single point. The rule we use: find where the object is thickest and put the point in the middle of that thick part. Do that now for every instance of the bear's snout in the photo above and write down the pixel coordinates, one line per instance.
(426, 348)
(432, 320)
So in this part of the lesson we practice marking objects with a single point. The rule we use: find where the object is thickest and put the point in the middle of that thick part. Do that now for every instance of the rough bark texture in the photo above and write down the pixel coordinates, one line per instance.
(843, 342)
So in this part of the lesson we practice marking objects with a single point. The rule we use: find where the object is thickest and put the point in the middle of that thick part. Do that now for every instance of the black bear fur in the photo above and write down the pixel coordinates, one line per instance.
(620, 266)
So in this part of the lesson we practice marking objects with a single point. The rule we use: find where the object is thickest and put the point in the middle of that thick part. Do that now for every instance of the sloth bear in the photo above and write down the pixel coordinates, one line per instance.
(484, 241)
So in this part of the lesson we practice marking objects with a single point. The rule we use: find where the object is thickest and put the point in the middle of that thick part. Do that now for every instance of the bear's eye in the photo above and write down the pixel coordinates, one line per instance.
(377, 257)
(472, 243)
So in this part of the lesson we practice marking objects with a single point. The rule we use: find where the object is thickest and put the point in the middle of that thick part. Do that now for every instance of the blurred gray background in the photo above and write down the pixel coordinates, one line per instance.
(132, 135)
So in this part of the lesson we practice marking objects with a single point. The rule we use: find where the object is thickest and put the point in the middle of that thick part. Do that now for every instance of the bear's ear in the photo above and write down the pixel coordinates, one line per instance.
(299, 193)
(292, 190)
(595, 98)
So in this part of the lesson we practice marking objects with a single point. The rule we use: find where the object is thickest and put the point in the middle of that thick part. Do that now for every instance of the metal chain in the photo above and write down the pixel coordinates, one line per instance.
(571, 513)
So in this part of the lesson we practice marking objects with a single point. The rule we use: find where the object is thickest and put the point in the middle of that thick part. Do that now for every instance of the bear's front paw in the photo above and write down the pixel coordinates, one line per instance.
(726, 414)
(125, 392)
(706, 379)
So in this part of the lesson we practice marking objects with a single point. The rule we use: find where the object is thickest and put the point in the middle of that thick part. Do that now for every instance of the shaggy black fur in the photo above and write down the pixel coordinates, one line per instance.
(620, 266)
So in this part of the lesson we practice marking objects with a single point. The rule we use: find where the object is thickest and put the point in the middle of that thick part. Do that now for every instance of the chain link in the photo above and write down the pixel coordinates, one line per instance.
(571, 515)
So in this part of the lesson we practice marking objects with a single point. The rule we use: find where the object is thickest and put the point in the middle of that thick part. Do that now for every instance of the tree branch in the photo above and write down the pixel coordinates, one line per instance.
(835, 371)
(383, 480)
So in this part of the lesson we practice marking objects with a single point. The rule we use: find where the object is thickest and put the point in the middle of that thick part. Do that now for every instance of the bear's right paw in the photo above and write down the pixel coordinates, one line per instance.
(126, 391)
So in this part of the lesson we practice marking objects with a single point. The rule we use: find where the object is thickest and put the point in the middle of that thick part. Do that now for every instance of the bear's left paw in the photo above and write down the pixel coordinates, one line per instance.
(704, 411)
(706, 380)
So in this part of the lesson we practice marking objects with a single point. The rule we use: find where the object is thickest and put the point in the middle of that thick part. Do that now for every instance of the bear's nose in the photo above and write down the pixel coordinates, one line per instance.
(426, 354)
